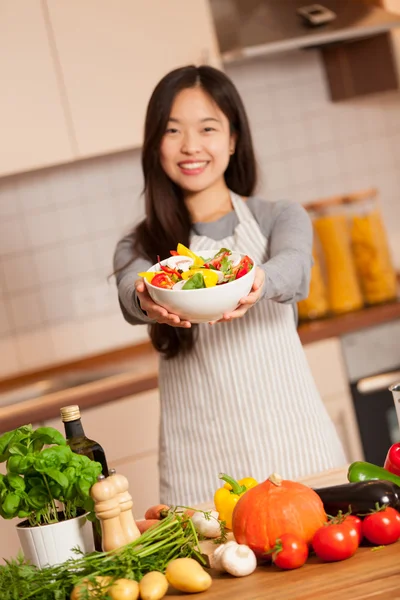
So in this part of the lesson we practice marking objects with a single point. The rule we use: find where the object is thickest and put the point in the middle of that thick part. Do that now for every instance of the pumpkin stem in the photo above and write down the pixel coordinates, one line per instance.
(275, 479)
(235, 485)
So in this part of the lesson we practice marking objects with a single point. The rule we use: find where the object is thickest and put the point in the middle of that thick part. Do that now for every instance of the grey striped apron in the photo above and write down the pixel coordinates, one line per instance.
(244, 401)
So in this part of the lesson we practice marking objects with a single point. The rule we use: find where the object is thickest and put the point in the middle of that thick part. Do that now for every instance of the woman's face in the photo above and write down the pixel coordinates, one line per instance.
(197, 144)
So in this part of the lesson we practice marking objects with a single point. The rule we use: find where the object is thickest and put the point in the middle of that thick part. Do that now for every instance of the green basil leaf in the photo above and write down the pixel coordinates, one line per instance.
(83, 487)
(57, 476)
(10, 505)
(16, 482)
(13, 464)
(38, 497)
(5, 441)
(194, 283)
(49, 435)
(18, 449)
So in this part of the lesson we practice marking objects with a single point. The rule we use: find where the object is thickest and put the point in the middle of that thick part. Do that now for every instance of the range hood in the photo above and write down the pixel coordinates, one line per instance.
(249, 28)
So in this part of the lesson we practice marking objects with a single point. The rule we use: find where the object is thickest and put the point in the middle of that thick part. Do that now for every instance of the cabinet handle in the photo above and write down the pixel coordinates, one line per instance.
(368, 385)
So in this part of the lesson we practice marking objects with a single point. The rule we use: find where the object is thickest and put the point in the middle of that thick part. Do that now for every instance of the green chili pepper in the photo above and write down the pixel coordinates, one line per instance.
(365, 471)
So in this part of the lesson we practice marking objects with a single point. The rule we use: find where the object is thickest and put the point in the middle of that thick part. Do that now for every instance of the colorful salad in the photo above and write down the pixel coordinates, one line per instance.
(185, 270)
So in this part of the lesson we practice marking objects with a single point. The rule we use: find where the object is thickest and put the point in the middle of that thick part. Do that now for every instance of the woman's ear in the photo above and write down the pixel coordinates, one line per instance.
(232, 143)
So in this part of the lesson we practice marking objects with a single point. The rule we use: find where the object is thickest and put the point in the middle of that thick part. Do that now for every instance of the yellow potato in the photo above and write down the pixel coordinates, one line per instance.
(187, 575)
(153, 586)
(124, 589)
(79, 591)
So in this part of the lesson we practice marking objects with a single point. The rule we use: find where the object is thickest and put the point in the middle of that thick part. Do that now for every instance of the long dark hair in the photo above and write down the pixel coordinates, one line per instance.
(167, 220)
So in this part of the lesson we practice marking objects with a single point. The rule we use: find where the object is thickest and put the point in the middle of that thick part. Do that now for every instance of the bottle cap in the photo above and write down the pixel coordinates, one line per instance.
(70, 413)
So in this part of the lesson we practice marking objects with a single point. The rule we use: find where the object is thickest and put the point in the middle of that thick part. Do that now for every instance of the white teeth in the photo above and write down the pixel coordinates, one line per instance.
(189, 166)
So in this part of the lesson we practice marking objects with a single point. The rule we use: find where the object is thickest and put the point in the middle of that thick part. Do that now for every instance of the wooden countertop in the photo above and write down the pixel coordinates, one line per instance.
(137, 369)
(369, 574)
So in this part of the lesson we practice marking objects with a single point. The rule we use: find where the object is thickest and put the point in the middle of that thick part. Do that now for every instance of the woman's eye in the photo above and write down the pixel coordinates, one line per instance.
(209, 129)
(171, 130)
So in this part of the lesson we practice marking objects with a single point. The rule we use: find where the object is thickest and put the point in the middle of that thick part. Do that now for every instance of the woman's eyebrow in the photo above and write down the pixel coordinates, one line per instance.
(174, 120)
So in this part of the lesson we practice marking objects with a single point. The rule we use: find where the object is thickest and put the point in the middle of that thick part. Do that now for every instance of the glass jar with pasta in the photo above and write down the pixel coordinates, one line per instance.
(316, 305)
(331, 227)
(370, 248)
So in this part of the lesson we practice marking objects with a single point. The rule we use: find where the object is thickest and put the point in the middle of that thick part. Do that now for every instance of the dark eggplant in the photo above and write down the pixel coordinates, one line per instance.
(359, 498)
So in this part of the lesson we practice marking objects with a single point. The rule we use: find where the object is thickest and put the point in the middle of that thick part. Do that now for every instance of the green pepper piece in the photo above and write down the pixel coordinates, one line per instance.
(195, 283)
(365, 471)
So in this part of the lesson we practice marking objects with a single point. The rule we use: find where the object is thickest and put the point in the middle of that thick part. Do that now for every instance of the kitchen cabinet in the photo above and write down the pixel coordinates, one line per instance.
(326, 363)
(33, 125)
(112, 54)
(394, 7)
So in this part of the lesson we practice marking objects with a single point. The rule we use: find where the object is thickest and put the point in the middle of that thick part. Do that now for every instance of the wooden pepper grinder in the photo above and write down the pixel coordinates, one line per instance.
(129, 527)
(108, 512)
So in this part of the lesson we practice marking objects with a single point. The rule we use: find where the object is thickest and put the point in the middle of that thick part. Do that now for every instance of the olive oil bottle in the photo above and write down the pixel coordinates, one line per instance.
(80, 444)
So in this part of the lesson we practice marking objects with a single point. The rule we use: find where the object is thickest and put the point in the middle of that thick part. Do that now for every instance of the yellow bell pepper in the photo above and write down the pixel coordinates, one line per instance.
(210, 276)
(183, 251)
(226, 497)
(148, 275)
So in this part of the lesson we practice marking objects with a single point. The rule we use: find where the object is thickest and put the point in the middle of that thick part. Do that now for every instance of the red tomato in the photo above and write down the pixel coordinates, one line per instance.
(162, 280)
(290, 552)
(356, 522)
(336, 541)
(382, 527)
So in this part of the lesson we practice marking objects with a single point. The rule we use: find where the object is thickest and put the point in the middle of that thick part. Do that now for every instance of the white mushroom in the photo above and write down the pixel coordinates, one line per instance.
(207, 523)
(235, 258)
(217, 555)
(183, 263)
(239, 560)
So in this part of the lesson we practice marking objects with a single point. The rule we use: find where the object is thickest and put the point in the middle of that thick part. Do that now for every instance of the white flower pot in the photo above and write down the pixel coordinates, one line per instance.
(47, 545)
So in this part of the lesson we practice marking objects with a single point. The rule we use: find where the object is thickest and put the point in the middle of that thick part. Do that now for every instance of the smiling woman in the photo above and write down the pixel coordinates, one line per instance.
(237, 396)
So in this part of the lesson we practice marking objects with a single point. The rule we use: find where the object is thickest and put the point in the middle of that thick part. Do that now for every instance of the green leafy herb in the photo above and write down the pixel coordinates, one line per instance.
(38, 476)
(174, 537)
(195, 283)
(222, 251)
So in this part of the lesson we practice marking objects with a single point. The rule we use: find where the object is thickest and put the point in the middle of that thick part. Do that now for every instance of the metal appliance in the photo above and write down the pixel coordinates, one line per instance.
(372, 359)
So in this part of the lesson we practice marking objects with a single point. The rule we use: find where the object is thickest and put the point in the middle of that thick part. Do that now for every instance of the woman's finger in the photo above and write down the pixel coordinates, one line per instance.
(251, 298)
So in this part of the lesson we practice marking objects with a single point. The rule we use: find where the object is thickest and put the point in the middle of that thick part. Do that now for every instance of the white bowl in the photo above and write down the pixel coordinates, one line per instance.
(206, 304)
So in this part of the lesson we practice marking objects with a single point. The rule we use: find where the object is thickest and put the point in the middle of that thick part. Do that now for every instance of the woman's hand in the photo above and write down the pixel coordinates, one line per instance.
(154, 311)
(249, 301)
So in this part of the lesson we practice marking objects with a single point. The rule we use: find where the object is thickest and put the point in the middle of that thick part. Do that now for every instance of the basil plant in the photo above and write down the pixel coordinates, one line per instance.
(45, 481)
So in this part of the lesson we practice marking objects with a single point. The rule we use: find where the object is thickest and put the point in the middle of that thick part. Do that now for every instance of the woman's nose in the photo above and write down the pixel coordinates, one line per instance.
(191, 144)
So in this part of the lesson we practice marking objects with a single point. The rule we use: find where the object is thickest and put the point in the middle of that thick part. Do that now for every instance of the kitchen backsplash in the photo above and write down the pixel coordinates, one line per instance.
(59, 226)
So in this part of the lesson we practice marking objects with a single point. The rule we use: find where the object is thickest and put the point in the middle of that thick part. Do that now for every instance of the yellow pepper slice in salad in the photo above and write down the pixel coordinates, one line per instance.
(183, 251)
(148, 275)
(210, 276)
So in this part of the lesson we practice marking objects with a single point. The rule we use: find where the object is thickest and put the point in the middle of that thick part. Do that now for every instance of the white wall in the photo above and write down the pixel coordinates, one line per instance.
(58, 227)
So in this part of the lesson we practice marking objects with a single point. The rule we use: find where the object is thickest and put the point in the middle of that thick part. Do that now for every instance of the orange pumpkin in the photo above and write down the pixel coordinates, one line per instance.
(273, 508)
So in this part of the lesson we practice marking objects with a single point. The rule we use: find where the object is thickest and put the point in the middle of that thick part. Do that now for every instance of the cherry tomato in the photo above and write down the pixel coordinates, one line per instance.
(290, 552)
(336, 541)
(382, 527)
(356, 522)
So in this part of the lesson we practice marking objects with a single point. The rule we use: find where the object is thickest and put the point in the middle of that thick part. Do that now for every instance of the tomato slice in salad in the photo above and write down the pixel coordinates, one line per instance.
(162, 280)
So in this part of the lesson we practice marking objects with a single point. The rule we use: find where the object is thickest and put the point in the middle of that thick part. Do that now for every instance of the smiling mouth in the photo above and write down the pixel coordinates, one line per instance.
(193, 166)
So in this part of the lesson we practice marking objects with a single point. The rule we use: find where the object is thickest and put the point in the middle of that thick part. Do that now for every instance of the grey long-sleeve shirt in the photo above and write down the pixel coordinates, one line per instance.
(288, 229)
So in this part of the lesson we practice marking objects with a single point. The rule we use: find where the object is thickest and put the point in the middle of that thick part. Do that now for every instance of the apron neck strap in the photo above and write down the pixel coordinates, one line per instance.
(240, 208)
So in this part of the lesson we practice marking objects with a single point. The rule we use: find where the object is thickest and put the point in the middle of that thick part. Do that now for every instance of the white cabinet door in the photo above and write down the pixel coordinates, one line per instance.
(33, 127)
(112, 54)
(340, 409)
(327, 366)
